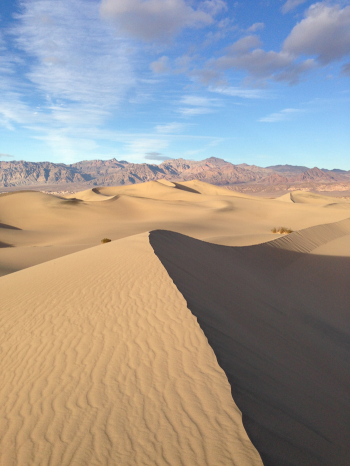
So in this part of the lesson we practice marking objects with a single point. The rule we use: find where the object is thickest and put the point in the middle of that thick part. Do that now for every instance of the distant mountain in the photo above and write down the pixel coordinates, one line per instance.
(113, 172)
(23, 173)
(315, 174)
(288, 169)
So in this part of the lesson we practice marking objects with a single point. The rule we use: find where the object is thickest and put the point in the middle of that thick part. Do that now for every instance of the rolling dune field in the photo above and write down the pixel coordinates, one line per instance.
(195, 337)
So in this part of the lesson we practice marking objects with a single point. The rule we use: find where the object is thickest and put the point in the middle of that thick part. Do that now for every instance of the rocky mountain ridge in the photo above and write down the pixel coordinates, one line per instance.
(113, 172)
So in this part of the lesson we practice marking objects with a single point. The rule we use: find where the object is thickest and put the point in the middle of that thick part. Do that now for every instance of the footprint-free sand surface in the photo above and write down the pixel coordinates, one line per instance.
(102, 363)
(196, 337)
(37, 227)
(277, 316)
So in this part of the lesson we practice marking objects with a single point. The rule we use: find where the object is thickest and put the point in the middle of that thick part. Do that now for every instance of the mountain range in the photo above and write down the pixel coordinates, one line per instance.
(213, 170)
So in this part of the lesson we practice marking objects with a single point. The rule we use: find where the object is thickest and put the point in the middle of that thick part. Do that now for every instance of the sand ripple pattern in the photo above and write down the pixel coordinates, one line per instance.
(103, 364)
(277, 317)
(307, 240)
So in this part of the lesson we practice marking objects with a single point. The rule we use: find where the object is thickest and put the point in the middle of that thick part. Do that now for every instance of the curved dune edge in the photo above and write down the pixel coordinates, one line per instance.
(309, 239)
(306, 197)
(278, 321)
(102, 363)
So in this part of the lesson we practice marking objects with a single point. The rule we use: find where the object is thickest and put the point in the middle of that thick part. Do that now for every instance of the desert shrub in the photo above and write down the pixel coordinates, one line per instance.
(105, 240)
(282, 230)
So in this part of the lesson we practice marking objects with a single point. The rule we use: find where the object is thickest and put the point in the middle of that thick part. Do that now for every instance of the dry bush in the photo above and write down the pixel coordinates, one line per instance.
(282, 230)
(105, 240)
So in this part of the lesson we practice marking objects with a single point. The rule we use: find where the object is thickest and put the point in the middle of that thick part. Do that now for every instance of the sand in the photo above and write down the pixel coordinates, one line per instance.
(37, 227)
(103, 364)
(277, 317)
(170, 347)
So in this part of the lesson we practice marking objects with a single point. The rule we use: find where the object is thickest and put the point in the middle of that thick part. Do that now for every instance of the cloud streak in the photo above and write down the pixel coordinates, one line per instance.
(193, 105)
(283, 115)
(156, 156)
(76, 64)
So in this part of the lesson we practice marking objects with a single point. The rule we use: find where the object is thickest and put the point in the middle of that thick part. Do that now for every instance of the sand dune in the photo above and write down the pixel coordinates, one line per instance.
(42, 227)
(305, 197)
(277, 318)
(103, 364)
(149, 350)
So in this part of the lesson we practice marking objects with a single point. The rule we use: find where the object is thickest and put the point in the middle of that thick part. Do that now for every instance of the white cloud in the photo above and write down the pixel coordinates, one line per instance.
(194, 111)
(169, 128)
(244, 45)
(324, 32)
(161, 65)
(290, 5)
(153, 20)
(67, 147)
(283, 115)
(75, 61)
(257, 63)
(322, 37)
(6, 156)
(197, 101)
(239, 92)
(256, 27)
(192, 105)
(156, 156)
(139, 146)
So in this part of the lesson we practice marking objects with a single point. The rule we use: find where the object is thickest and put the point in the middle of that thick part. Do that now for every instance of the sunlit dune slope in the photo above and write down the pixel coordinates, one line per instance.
(305, 197)
(284, 198)
(277, 317)
(103, 364)
(90, 195)
(41, 227)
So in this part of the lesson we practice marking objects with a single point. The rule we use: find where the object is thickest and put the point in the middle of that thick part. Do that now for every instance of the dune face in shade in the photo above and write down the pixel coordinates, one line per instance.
(277, 316)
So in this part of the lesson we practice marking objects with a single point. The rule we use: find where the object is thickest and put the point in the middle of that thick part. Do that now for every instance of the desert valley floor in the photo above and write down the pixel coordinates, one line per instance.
(196, 337)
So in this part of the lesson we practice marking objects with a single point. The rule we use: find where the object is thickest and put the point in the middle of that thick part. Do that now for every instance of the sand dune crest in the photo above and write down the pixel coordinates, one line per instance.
(277, 318)
(103, 364)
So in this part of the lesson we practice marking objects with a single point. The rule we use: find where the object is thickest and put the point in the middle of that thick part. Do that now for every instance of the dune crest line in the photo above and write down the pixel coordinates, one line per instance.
(277, 318)
(102, 363)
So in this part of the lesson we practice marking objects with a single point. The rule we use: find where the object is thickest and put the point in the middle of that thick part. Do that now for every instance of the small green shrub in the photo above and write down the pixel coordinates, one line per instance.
(282, 230)
(105, 240)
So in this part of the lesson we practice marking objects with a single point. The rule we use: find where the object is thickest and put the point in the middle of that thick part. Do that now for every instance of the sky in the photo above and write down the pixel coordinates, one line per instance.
(257, 82)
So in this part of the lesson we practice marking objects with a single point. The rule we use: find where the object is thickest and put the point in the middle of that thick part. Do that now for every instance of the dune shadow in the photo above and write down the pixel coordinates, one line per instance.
(185, 188)
(6, 245)
(9, 227)
(279, 324)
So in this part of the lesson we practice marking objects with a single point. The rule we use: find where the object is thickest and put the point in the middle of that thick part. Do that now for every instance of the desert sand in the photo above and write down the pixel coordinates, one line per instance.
(37, 227)
(196, 337)
(277, 317)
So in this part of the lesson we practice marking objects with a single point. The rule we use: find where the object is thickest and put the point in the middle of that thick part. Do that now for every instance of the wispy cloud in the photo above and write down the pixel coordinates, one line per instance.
(192, 105)
(161, 65)
(257, 27)
(156, 156)
(78, 68)
(283, 115)
(170, 128)
(6, 156)
(239, 92)
(291, 5)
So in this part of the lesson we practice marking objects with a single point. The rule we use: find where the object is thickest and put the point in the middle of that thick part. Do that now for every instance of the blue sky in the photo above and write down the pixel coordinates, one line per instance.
(260, 82)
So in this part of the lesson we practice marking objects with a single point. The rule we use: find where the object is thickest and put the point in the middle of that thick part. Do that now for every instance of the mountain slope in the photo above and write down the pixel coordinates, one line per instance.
(113, 172)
